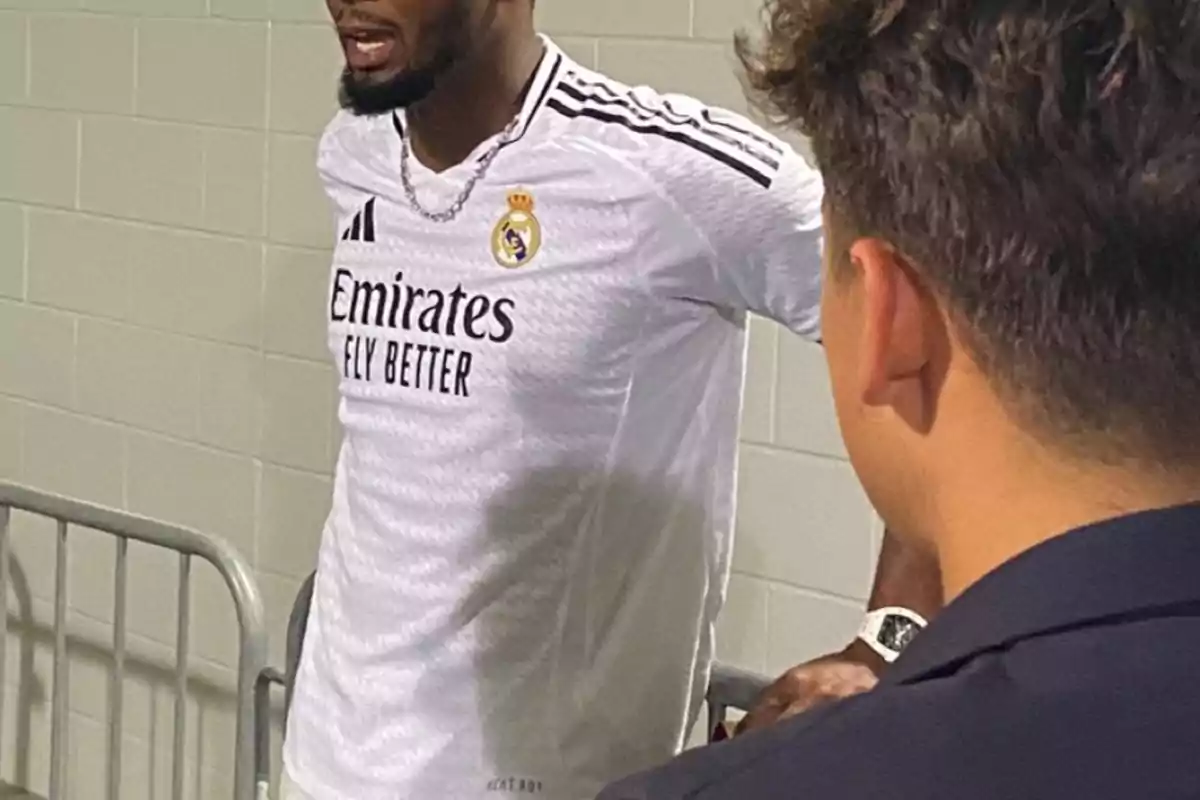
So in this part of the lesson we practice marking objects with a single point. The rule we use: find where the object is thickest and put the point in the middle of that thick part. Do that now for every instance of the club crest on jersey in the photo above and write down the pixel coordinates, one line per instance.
(517, 237)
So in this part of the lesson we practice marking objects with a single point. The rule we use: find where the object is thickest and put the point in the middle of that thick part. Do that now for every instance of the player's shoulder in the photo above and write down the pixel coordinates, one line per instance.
(347, 133)
(669, 137)
(352, 154)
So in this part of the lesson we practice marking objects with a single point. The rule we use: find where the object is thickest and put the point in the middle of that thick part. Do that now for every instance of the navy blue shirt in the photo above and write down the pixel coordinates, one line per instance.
(1070, 673)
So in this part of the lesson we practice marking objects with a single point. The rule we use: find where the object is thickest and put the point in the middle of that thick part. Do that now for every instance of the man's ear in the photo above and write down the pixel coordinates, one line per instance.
(895, 346)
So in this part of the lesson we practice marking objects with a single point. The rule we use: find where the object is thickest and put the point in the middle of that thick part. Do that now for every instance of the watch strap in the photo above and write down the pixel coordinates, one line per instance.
(873, 633)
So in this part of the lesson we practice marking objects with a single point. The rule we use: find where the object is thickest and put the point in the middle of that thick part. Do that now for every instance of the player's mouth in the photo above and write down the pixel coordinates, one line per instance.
(367, 49)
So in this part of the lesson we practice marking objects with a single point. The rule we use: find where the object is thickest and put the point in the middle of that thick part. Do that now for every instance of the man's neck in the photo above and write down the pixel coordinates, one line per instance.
(993, 512)
(477, 100)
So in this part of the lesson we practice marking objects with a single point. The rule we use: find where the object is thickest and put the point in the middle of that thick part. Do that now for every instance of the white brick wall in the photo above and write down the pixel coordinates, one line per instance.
(162, 265)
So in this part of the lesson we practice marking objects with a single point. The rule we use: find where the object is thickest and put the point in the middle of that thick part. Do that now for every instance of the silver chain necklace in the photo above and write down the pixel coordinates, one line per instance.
(481, 168)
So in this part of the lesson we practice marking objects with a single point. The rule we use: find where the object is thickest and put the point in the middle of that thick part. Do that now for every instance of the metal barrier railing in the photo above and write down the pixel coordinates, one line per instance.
(251, 756)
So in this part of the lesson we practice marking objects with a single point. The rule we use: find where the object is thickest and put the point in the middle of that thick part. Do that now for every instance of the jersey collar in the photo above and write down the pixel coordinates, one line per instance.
(543, 80)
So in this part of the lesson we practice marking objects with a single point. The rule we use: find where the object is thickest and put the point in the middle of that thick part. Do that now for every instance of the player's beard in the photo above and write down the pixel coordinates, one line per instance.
(365, 96)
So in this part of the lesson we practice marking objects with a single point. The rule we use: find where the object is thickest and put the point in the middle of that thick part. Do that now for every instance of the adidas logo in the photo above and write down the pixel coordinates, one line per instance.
(362, 227)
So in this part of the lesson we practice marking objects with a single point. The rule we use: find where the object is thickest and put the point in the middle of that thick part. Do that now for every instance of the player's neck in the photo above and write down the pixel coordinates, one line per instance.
(476, 101)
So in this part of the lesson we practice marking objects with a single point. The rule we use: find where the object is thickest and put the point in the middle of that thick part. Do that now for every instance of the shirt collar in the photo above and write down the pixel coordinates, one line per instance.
(544, 78)
(1143, 561)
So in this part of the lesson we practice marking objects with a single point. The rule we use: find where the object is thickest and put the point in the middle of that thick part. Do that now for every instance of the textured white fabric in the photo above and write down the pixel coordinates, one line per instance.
(531, 525)
(288, 789)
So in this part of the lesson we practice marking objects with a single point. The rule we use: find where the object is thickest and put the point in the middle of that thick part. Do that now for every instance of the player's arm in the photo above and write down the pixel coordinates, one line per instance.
(906, 576)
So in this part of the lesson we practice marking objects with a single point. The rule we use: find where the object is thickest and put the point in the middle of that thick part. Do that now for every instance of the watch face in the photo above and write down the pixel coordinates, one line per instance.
(896, 632)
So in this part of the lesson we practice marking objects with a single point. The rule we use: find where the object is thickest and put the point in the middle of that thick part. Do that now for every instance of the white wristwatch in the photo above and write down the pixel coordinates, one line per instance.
(888, 630)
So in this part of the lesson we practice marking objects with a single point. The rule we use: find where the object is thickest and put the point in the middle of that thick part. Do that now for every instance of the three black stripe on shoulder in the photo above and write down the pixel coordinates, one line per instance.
(737, 147)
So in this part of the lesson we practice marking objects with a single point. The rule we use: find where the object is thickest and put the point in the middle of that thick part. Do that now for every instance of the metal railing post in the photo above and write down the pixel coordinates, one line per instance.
(188, 543)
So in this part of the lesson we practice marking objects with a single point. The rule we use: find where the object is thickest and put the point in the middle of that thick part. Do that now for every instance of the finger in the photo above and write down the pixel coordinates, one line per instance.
(823, 696)
(786, 702)
(762, 715)
(806, 704)
(778, 710)
(769, 703)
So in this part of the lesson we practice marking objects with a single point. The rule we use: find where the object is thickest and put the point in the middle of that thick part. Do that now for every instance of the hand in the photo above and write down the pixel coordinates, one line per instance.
(856, 669)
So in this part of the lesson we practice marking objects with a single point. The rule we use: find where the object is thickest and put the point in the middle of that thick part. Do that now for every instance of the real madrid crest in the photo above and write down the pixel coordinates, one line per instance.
(517, 237)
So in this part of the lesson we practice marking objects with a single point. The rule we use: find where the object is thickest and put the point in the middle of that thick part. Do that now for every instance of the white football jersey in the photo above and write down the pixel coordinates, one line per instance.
(533, 504)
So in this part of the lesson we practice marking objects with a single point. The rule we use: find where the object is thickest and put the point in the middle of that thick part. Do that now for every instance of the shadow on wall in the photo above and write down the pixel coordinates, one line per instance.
(148, 715)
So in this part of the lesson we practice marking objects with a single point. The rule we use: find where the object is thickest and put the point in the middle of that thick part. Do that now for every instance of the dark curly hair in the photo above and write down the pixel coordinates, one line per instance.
(1038, 163)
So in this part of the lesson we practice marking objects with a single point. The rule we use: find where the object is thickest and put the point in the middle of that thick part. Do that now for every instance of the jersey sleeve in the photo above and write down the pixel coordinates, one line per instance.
(755, 204)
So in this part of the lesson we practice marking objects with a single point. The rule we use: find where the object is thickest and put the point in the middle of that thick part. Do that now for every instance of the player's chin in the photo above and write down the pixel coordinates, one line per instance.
(375, 92)
(374, 77)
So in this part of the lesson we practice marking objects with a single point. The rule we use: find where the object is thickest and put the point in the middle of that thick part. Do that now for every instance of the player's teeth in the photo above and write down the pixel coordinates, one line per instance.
(368, 47)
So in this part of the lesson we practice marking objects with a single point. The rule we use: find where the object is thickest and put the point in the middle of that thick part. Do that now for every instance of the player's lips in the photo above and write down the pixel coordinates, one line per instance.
(367, 49)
